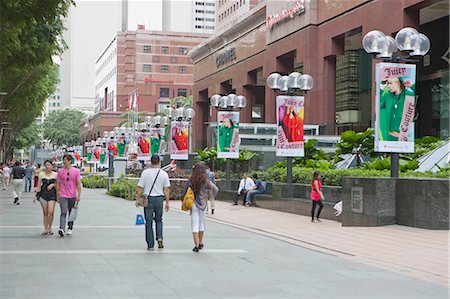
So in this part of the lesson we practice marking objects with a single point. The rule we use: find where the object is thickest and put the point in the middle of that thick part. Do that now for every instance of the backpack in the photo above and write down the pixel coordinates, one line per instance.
(263, 186)
(188, 200)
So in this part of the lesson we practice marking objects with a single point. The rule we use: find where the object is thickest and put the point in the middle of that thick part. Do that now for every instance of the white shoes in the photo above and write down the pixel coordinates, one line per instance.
(69, 232)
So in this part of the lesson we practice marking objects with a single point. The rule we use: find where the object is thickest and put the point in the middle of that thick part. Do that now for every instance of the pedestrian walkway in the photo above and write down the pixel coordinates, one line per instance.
(106, 257)
(420, 253)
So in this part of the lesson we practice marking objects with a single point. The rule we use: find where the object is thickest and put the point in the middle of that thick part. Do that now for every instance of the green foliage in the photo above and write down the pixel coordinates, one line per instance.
(62, 127)
(314, 157)
(209, 156)
(361, 143)
(28, 137)
(94, 182)
(30, 35)
(181, 101)
(123, 188)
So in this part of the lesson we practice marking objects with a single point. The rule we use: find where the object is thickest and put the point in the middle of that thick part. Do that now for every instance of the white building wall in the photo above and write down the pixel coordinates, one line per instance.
(106, 78)
(90, 26)
(204, 16)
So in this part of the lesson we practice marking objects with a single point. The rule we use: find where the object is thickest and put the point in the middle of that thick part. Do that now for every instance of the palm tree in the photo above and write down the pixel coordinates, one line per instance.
(126, 115)
(181, 101)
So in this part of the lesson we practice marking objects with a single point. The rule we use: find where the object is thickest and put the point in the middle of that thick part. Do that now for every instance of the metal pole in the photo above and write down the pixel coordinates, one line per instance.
(289, 172)
(227, 169)
(394, 165)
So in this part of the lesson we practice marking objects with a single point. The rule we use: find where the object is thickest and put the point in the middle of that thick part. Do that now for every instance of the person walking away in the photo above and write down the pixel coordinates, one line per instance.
(155, 185)
(316, 195)
(6, 175)
(46, 195)
(68, 191)
(257, 189)
(16, 181)
(245, 185)
(29, 171)
(201, 186)
(211, 199)
(37, 171)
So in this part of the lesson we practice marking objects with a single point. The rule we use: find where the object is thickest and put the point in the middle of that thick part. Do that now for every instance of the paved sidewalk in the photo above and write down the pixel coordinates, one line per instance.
(416, 252)
(106, 257)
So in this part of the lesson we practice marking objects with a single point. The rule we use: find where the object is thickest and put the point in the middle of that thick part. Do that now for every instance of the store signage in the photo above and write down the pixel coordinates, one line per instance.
(286, 14)
(157, 81)
(225, 57)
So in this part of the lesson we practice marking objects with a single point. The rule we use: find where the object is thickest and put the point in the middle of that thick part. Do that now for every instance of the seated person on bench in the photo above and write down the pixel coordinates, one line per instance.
(257, 189)
(245, 185)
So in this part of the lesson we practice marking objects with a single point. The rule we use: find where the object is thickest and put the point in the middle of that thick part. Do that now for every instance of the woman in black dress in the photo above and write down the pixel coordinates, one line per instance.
(46, 195)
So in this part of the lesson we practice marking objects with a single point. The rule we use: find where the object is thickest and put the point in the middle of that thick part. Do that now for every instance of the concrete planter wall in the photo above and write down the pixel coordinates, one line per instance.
(423, 203)
(420, 203)
(374, 206)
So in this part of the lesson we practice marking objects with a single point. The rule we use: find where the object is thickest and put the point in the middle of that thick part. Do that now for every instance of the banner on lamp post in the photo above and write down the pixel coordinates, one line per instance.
(103, 160)
(395, 107)
(228, 134)
(157, 141)
(179, 145)
(112, 147)
(290, 120)
(122, 146)
(143, 150)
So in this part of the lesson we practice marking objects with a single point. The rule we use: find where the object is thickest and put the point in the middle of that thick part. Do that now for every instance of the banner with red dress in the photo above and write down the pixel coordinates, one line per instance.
(290, 120)
(143, 149)
(179, 145)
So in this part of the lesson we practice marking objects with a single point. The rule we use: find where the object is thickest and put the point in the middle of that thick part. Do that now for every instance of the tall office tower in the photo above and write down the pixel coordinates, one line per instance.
(228, 11)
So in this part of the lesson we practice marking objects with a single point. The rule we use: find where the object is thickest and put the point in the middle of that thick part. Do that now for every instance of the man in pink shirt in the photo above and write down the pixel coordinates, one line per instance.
(68, 190)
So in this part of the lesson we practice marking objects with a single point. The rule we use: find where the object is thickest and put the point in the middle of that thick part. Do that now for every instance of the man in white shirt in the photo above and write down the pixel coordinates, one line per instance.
(6, 174)
(245, 185)
(155, 185)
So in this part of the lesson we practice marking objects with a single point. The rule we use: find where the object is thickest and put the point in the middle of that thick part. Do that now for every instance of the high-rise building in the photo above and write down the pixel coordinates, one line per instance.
(92, 24)
(228, 11)
(155, 64)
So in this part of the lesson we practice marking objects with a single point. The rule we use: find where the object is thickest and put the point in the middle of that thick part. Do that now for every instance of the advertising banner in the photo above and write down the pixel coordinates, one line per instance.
(157, 141)
(103, 161)
(179, 146)
(95, 154)
(290, 120)
(121, 145)
(228, 134)
(113, 147)
(143, 150)
(395, 107)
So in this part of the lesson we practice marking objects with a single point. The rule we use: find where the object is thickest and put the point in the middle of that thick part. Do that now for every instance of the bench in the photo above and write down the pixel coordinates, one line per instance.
(300, 206)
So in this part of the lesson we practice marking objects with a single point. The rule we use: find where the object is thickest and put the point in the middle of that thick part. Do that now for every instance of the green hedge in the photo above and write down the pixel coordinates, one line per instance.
(123, 188)
(94, 182)
(333, 177)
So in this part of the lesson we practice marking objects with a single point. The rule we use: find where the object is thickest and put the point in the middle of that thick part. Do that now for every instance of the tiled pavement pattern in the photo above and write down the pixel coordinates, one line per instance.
(106, 256)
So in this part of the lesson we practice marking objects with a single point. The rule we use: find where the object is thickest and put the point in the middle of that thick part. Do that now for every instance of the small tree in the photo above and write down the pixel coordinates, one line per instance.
(63, 127)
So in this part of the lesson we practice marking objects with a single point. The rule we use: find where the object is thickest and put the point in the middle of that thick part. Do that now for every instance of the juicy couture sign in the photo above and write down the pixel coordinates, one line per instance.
(286, 14)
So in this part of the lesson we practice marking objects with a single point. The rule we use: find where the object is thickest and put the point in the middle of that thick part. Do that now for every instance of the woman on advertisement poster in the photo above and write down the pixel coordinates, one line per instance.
(181, 139)
(395, 120)
(155, 143)
(292, 125)
(228, 136)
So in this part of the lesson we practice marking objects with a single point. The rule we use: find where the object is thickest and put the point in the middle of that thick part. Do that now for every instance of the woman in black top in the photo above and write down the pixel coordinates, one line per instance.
(46, 194)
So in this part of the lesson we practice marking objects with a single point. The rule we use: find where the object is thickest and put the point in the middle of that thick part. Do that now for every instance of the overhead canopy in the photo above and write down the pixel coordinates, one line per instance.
(435, 159)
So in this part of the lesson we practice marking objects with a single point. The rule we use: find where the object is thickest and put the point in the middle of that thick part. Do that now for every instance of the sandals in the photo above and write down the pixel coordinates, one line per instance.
(47, 233)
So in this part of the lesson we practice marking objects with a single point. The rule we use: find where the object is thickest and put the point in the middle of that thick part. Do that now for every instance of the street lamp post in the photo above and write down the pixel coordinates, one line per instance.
(230, 103)
(391, 49)
(294, 82)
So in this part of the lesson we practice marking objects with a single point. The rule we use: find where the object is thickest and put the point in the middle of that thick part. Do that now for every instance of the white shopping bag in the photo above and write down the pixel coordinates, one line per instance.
(338, 208)
(73, 213)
